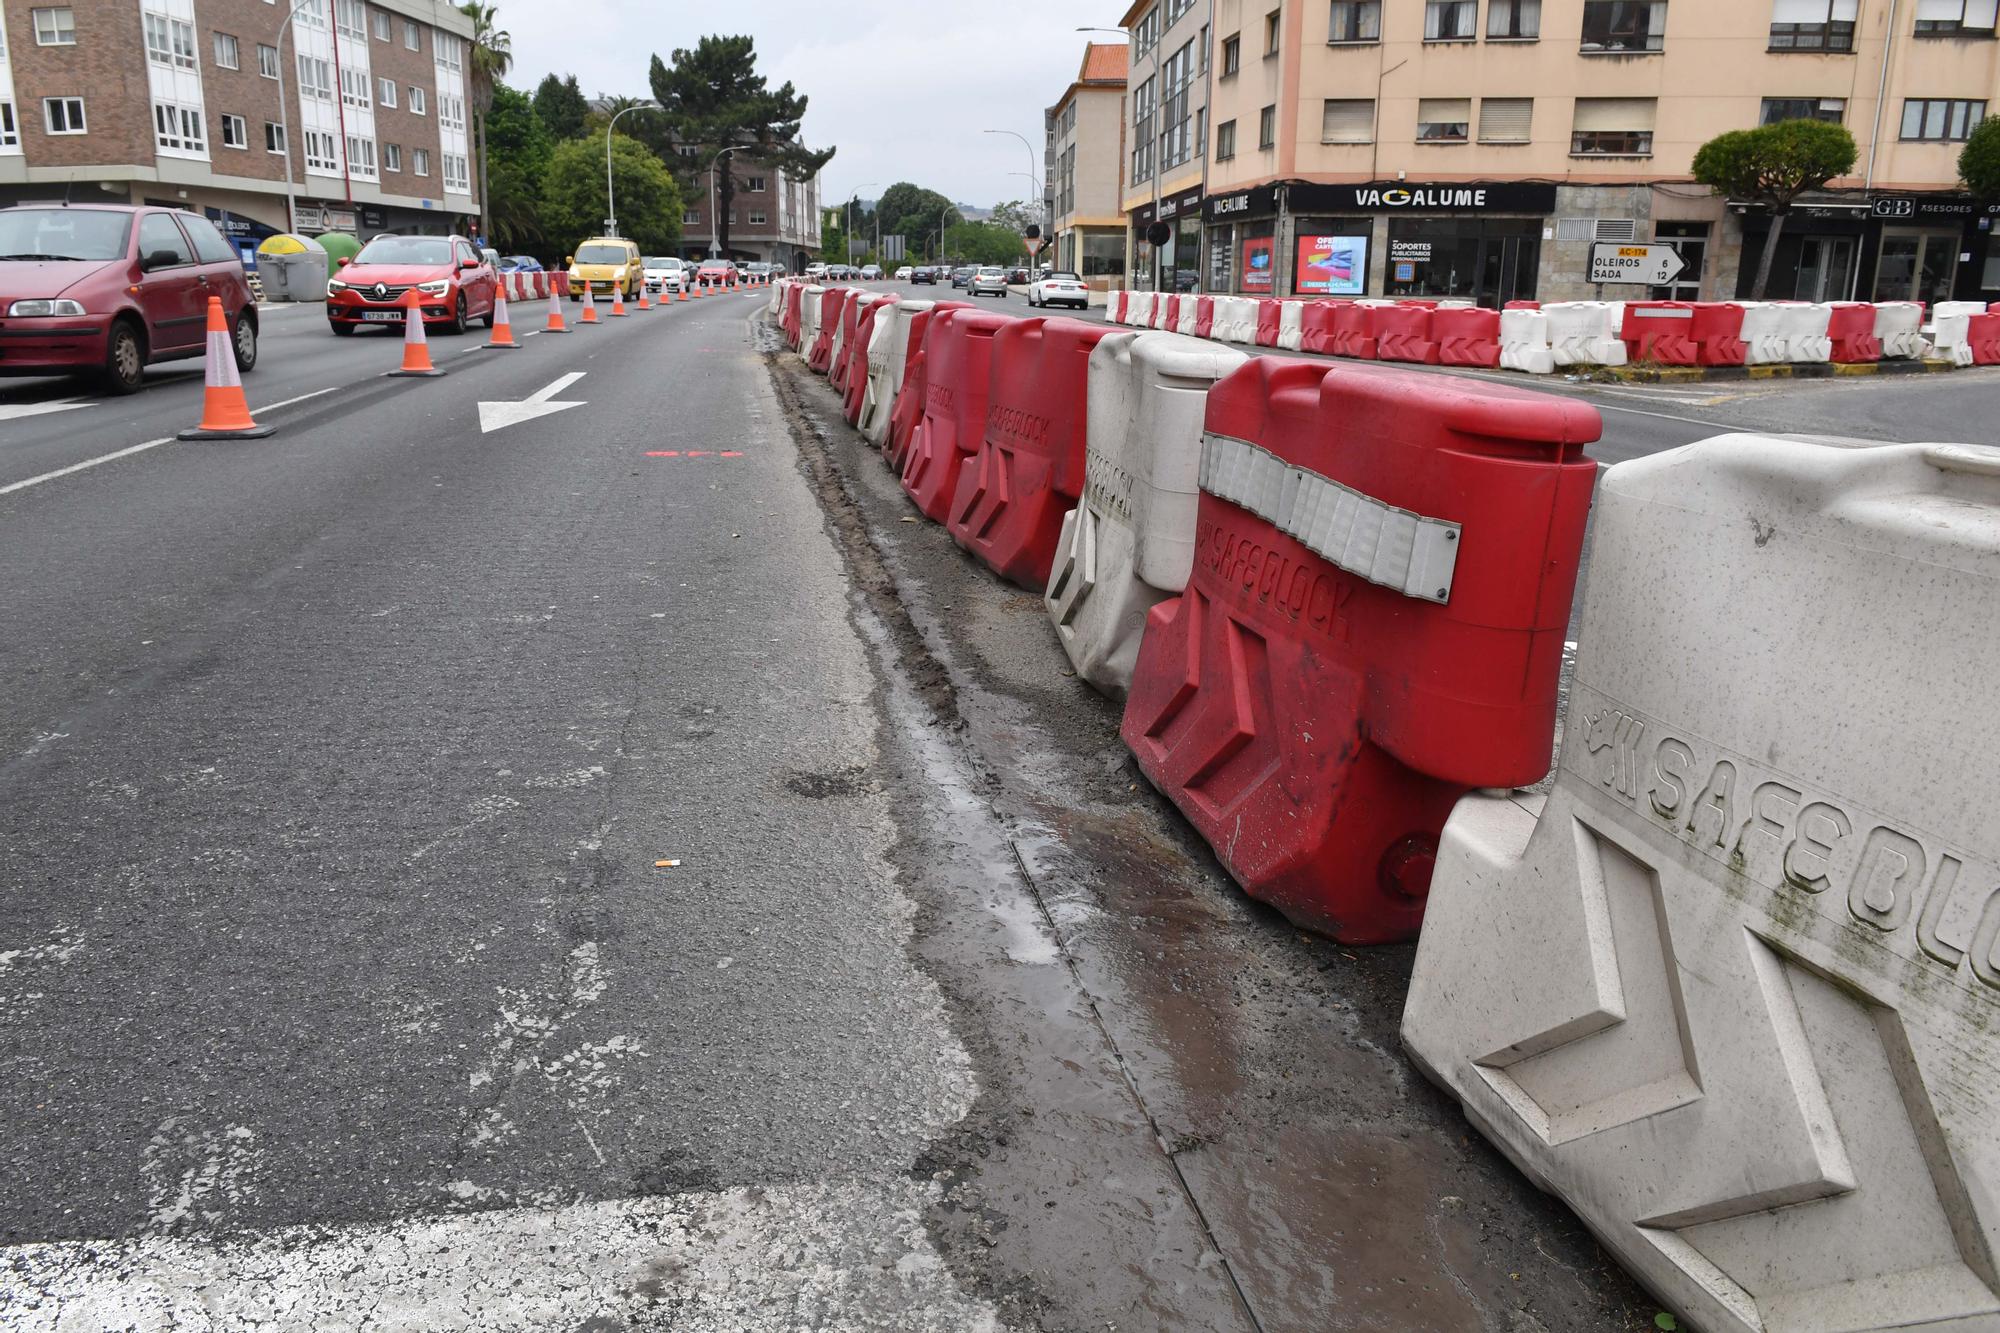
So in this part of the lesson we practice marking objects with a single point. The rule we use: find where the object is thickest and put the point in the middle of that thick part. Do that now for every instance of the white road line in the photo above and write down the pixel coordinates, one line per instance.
(1668, 416)
(88, 463)
(272, 407)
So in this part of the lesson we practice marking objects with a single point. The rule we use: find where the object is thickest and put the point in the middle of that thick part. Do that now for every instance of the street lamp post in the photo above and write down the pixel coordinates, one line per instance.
(948, 208)
(714, 220)
(610, 195)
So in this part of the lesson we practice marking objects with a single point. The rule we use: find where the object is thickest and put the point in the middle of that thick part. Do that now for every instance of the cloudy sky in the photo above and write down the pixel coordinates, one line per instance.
(902, 87)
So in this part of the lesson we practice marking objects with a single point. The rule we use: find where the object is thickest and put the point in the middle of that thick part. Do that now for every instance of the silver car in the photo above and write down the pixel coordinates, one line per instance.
(988, 281)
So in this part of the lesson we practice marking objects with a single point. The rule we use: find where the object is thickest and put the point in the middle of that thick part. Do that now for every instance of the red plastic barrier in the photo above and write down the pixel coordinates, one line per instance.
(850, 316)
(1028, 470)
(1116, 304)
(959, 355)
(1851, 328)
(1354, 329)
(1522, 305)
(1426, 302)
(795, 296)
(1717, 330)
(1403, 333)
(1660, 331)
(1467, 336)
(1982, 332)
(1315, 725)
(1204, 316)
(830, 306)
(910, 393)
(1318, 333)
(1268, 317)
(856, 377)
(1167, 313)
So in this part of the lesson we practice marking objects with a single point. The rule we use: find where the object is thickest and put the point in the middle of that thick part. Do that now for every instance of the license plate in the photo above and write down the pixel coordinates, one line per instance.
(382, 316)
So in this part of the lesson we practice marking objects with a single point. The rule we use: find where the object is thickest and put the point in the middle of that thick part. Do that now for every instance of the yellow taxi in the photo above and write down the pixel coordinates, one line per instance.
(607, 264)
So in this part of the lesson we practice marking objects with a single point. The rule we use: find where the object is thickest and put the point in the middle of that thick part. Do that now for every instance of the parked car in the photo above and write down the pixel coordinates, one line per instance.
(962, 275)
(519, 264)
(715, 272)
(453, 284)
(663, 273)
(104, 290)
(815, 272)
(905, 273)
(1018, 276)
(924, 275)
(871, 272)
(606, 264)
(760, 270)
(987, 281)
(1059, 289)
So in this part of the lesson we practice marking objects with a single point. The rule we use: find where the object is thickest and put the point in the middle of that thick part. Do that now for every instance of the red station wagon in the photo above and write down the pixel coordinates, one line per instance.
(453, 280)
(105, 290)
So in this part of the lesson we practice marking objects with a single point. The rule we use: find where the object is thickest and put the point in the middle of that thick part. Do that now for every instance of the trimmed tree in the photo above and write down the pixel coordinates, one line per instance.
(1773, 165)
(574, 205)
(1979, 160)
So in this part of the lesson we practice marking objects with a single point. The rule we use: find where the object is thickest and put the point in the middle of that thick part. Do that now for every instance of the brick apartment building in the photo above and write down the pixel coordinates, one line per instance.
(177, 102)
(772, 218)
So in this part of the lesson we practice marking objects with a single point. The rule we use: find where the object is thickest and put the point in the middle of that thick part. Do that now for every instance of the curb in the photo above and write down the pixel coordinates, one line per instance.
(1781, 371)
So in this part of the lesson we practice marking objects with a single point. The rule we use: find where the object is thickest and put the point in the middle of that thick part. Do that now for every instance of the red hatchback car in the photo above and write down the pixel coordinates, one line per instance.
(104, 290)
(454, 284)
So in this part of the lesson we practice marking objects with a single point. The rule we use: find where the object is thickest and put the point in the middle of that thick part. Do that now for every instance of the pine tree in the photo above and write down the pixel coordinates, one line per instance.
(561, 105)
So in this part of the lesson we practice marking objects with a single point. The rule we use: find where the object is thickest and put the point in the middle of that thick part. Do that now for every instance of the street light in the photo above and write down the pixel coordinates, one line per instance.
(1031, 157)
(610, 197)
(714, 221)
(948, 208)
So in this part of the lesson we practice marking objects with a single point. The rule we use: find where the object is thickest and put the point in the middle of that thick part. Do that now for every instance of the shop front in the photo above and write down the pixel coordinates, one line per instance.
(1933, 248)
(1821, 252)
(1175, 264)
(1474, 240)
(1241, 232)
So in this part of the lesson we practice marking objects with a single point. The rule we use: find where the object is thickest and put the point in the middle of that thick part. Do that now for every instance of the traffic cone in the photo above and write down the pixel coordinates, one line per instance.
(589, 315)
(416, 350)
(697, 289)
(503, 331)
(555, 324)
(618, 302)
(224, 413)
(684, 289)
(642, 297)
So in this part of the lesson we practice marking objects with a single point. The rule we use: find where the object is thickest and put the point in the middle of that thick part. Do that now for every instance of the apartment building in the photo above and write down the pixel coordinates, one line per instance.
(772, 218)
(1087, 227)
(1166, 137)
(199, 103)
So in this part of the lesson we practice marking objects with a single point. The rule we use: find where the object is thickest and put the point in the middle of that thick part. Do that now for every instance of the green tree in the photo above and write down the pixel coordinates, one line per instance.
(912, 213)
(1773, 165)
(1016, 216)
(562, 108)
(574, 205)
(607, 108)
(984, 243)
(520, 147)
(713, 98)
(492, 57)
(1979, 160)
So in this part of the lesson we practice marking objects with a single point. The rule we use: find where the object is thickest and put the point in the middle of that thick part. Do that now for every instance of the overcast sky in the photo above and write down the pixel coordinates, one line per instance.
(902, 87)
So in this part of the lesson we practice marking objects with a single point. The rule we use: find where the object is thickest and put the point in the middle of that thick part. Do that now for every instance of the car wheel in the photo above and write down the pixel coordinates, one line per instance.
(244, 342)
(457, 325)
(124, 359)
(341, 330)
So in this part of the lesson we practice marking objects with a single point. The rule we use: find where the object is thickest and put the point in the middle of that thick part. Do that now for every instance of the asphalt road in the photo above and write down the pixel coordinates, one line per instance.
(341, 985)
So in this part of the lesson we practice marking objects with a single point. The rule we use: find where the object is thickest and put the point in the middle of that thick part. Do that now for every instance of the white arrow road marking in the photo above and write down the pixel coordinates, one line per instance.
(15, 411)
(495, 416)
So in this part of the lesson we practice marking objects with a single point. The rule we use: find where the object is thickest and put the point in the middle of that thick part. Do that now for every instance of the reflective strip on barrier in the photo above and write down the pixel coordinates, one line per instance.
(1410, 553)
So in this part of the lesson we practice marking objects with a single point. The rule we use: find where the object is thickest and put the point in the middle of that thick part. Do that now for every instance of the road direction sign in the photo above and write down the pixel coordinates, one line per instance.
(494, 416)
(1622, 261)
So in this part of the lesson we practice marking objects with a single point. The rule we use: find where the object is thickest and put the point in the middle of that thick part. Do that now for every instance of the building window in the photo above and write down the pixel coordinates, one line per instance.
(1513, 20)
(10, 130)
(755, 185)
(385, 93)
(179, 128)
(1272, 31)
(1624, 27)
(420, 161)
(1956, 18)
(1146, 34)
(392, 157)
(1828, 109)
(228, 55)
(361, 156)
(1813, 25)
(1612, 127)
(451, 111)
(1444, 119)
(1356, 21)
(690, 218)
(1176, 8)
(1941, 120)
(413, 36)
(274, 137)
(354, 88)
(1201, 44)
(55, 27)
(169, 41)
(759, 219)
(315, 78)
(1176, 141)
(381, 25)
(1142, 130)
(1451, 20)
(417, 107)
(235, 132)
(267, 61)
(1506, 119)
(322, 152)
(450, 52)
(456, 177)
(1267, 127)
(1225, 141)
(1232, 56)
(350, 19)
(63, 115)
(1347, 120)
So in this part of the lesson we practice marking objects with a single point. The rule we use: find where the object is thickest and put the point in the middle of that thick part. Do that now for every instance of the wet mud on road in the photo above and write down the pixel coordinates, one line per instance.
(1190, 1115)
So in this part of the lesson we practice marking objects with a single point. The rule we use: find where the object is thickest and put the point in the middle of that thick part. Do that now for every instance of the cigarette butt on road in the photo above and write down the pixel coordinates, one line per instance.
(665, 865)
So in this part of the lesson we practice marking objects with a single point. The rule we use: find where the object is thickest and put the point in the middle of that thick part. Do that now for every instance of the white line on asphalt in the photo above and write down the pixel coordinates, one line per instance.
(1667, 416)
(272, 407)
(87, 463)
(15, 411)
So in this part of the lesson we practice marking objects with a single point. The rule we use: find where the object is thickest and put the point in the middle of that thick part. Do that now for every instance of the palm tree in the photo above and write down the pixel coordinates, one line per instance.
(492, 57)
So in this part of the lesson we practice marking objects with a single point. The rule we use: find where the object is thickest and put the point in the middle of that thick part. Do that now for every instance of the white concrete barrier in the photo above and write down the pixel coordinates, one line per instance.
(1139, 309)
(1291, 325)
(1763, 335)
(1190, 314)
(1129, 543)
(1733, 990)
(1898, 324)
(1948, 334)
(809, 307)
(888, 356)
(1585, 333)
(1235, 320)
(1524, 342)
(774, 305)
(1804, 325)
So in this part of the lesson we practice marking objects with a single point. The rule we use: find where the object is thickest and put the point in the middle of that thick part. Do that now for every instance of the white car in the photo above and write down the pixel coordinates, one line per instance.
(1059, 289)
(815, 272)
(904, 273)
(988, 281)
(664, 273)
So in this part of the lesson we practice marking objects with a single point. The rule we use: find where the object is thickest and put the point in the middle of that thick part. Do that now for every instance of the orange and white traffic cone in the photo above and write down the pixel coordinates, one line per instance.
(684, 289)
(589, 315)
(642, 297)
(503, 330)
(555, 324)
(224, 413)
(618, 302)
(416, 349)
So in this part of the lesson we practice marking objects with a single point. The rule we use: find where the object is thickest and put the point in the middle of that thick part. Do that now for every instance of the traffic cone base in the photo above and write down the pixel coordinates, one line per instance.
(224, 413)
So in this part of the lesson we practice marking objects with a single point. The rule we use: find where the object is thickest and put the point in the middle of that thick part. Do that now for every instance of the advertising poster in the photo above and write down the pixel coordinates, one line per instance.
(1258, 263)
(1332, 265)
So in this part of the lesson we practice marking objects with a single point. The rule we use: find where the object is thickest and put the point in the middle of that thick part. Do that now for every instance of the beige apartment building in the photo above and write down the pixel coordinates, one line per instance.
(198, 103)
(1479, 147)
(1086, 166)
(1166, 139)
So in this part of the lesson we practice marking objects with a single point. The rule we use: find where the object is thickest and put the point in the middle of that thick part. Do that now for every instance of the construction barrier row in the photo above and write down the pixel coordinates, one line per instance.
(1731, 988)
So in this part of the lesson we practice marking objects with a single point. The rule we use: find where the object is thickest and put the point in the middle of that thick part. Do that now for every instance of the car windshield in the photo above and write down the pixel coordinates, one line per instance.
(63, 233)
(405, 250)
(601, 254)
(990, 272)
(657, 261)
